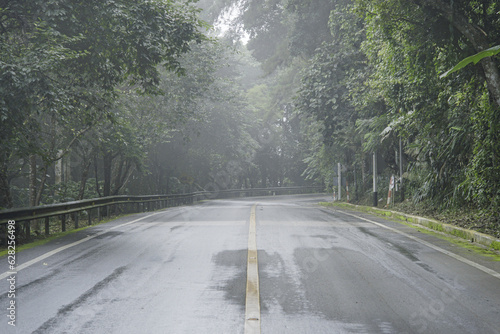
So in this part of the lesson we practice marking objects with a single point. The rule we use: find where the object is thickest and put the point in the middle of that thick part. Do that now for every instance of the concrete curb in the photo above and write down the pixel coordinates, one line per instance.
(470, 235)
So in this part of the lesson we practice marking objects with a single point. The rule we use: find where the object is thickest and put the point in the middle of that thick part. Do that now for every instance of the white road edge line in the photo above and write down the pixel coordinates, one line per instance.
(428, 244)
(252, 302)
(60, 249)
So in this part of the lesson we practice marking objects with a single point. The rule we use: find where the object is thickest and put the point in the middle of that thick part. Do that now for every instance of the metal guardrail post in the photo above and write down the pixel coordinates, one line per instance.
(47, 226)
(27, 227)
(63, 223)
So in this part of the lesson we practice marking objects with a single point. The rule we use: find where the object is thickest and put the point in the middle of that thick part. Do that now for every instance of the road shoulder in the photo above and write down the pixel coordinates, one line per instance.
(472, 251)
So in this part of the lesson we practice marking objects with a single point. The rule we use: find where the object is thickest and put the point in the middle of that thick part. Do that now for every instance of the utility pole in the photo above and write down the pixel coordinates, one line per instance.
(339, 181)
(375, 199)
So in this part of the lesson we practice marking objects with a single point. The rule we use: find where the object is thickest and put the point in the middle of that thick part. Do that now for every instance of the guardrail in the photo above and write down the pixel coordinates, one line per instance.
(93, 210)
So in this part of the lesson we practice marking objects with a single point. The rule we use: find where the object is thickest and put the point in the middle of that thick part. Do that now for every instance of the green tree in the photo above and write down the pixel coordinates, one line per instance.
(64, 58)
(444, 122)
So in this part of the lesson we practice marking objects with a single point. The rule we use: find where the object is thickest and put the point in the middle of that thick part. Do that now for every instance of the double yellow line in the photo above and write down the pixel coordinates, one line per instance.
(252, 303)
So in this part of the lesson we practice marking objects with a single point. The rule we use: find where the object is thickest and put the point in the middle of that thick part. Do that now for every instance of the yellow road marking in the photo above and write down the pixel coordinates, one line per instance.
(252, 303)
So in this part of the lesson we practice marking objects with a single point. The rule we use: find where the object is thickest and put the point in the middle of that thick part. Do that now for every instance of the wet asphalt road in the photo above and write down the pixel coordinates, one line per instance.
(184, 270)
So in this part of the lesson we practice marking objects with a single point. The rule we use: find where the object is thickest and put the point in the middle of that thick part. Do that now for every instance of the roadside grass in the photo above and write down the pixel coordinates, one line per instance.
(480, 220)
(436, 230)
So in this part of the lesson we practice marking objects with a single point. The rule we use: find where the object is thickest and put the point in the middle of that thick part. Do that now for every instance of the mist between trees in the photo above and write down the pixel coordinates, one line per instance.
(142, 97)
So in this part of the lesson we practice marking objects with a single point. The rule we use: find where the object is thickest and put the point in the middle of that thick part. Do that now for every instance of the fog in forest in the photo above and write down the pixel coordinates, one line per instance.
(150, 97)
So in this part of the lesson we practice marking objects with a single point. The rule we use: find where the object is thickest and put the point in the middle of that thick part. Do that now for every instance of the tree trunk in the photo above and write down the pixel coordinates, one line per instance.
(37, 192)
(118, 177)
(478, 39)
(32, 180)
(58, 172)
(124, 180)
(83, 180)
(121, 177)
(5, 196)
(41, 186)
(363, 173)
(67, 168)
(107, 165)
(97, 188)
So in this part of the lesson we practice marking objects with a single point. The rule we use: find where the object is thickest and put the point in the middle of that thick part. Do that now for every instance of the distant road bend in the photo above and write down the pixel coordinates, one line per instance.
(278, 264)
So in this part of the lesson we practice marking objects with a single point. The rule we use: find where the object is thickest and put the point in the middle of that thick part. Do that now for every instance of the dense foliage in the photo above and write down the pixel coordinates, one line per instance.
(62, 64)
(378, 76)
(133, 98)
